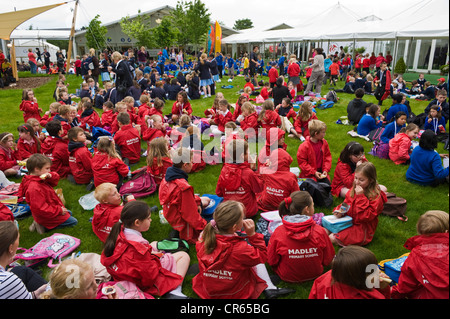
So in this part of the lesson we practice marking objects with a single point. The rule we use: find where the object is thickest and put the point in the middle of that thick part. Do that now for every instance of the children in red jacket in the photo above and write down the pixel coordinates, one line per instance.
(273, 75)
(424, 273)
(249, 124)
(9, 155)
(50, 114)
(366, 201)
(80, 160)
(268, 117)
(107, 165)
(313, 155)
(128, 256)
(400, 146)
(108, 211)
(46, 207)
(29, 106)
(181, 106)
(89, 117)
(348, 277)
(278, 180)
(56, 148)
(232, 266)
(158, 159)
(108, 116)
(157, 109)
(128, 139)
(351, 156)
(181, 207)
(237, 180)
(28, 143)
(299, 248)
(153, 128)
(223, 116)
(305, 115)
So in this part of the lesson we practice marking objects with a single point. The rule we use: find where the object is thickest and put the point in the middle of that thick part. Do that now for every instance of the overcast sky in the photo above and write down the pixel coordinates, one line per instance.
(263, 13)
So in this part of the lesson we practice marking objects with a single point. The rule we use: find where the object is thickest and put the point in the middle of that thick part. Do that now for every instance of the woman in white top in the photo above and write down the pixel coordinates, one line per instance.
(11, 286)
(318, 71)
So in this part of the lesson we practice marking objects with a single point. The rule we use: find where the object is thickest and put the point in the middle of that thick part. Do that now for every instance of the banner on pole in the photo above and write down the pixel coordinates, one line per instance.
(211, 39)
(218, 37)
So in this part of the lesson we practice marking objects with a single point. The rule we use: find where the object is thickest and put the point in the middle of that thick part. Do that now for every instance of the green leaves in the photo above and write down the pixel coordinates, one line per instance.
(95, 34)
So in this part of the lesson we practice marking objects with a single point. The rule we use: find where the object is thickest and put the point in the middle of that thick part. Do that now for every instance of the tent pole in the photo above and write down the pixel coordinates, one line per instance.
(72, 32)
(12, 52)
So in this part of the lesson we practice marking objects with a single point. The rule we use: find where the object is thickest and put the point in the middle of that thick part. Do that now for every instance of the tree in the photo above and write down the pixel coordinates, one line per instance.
(95, 34)
(192, 19)
(139, 29)
(400, 66)
(243, 24)
(165, 34)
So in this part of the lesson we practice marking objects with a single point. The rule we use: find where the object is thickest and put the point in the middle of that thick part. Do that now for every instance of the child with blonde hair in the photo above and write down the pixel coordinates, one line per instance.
(9, 155)
(249, 123)
(305, 115)
(424, 274)
(158, 159)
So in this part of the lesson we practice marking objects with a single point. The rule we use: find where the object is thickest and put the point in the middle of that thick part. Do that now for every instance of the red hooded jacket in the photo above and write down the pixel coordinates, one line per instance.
(323, 288)
(129, 141)
(176, 110)
(158, 172)
(30, 109)
(180, 205)
(8, 158)
(57, 150)
(238, 182)
(45, 205)
(365, 219)
(251, 123)
(106, 169)
(5, 213)
(107, 119)
(26, 149)
(92, 119)
(400, 148)
(306, 159)
(133, 261)
(343, 177)
(227, 273)
(425, 273)
(301, 127)
(271, 119)
(279, 181)
(299, 249)
(221, 120)
(80, 162)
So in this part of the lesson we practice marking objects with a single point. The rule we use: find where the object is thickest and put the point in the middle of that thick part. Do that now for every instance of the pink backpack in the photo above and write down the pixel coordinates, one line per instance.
(141, 184)
(56, 246)
(124, 290)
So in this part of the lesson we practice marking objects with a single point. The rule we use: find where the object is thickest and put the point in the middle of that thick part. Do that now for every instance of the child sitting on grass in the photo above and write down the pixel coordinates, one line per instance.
(108, 211)
(28, 143)
(80, 157)
(56, 148)
(46, 207)
(158, 159)
(9, 155)
(305, 115)
(313, 155)
(128, 139)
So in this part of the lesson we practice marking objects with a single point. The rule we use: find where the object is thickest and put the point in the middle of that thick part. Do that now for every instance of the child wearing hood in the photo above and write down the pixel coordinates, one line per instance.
(181, 207)
(299, 248)
(424, 274)
(46, 207)
(56, 148)
(80, 158)
(237, 180)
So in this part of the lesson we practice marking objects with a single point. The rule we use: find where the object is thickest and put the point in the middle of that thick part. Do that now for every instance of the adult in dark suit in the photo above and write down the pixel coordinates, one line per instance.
(124, 77)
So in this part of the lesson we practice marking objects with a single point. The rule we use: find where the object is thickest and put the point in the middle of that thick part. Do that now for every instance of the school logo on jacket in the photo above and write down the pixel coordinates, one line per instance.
(219, 274)
(303, 253)
(133, 141)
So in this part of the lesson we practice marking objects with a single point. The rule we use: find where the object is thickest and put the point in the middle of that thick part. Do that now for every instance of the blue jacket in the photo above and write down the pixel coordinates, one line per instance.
(326, 64)
(390, 131)
(434, 124)
(426, 167)
(367, 124)
(394, 109)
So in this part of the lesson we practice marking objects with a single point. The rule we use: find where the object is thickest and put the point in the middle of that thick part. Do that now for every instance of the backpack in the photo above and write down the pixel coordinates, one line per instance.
(375, 134)
(19, 211)
(395, 207)
(326, 105)
(141, 184)
(56, 246)
(319, 191)
(123, 289)
(332, 96)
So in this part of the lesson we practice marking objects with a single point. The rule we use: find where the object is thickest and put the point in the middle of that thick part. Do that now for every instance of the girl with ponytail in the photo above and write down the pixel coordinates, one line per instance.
(127, 255)
(229, 266)
(299, 248)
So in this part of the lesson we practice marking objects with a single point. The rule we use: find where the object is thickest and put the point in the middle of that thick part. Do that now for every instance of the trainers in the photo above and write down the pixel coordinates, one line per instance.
(32, 227)
(40, 229)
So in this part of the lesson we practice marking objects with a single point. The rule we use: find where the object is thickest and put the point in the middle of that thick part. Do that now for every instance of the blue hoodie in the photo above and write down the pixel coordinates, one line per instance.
(426, 167)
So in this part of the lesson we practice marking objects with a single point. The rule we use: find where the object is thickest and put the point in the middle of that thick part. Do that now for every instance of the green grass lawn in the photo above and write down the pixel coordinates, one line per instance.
(389, 238)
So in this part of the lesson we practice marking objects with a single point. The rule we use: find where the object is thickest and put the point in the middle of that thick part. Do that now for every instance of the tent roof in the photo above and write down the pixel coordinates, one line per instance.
(11, 20)
(41, 34)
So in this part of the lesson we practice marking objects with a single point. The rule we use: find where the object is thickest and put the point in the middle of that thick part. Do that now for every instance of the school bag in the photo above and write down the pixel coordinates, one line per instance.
(172, 245)
(123, 289)
(319, 191)
(332, 96)
(140, 185)
(54, 247)
(19, 211)
(395, 207)
(375, 134)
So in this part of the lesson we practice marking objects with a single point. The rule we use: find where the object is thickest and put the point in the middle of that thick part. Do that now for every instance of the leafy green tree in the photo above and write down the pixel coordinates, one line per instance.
(243, 24)
(139, 29)
(165, 34)
(95, 34)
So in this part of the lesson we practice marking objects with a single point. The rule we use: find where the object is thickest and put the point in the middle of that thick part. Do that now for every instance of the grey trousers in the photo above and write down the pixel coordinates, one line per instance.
(317, 78)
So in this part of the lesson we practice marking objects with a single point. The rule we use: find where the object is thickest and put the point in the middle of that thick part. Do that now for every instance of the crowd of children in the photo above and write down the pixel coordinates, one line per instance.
(72, 140)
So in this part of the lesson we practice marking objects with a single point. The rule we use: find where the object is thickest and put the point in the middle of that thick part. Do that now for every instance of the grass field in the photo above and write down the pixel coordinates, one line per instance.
(389, 238)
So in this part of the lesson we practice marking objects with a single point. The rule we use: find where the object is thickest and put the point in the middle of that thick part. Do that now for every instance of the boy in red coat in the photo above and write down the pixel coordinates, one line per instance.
(279, 181)
(299, 248)
(313, 155)
(108, 211)
(181, 207)
(80, 157)
(46, 207)
(237, 180)
(89, 116)
(273, 75)
(424, 274)
(56, 148)
(128, 139)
